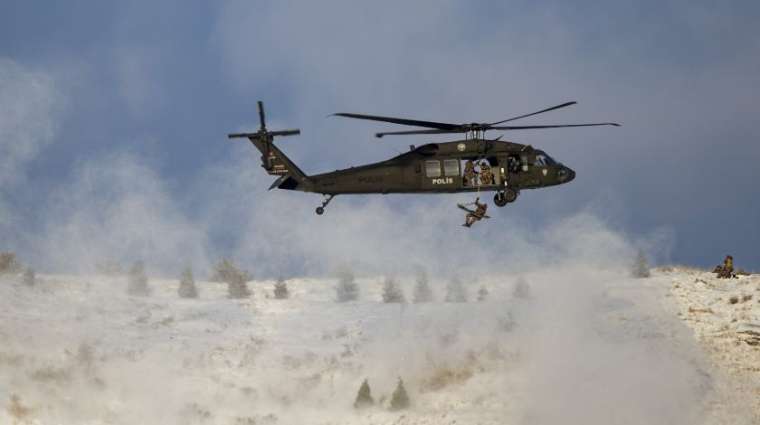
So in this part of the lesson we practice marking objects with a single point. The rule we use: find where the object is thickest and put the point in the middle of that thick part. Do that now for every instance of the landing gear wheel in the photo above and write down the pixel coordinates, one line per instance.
(511, 195)
(505, 197)
(500, 199)
(320, 211)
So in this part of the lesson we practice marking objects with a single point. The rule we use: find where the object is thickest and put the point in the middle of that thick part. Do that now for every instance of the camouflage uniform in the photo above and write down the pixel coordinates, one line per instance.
(469, 174)
(477, 215)
(726, 271)
(486, 176)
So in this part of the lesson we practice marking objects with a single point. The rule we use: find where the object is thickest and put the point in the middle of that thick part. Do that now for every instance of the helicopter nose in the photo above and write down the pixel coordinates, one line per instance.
(565, 174)
(570, 174)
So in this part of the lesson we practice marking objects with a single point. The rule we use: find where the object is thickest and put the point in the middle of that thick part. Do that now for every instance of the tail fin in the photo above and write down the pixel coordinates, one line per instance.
(273, 160)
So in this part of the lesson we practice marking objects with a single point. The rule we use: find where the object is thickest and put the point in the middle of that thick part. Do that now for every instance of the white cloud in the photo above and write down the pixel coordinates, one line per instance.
(28, 102)
(118, 209)
(138, 82)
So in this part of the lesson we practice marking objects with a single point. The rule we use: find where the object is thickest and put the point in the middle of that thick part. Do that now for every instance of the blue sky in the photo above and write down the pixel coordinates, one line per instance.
(113, 88)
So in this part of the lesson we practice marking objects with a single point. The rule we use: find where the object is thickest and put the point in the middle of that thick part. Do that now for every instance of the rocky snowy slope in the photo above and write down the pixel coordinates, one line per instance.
(725, 317)
(583, 346)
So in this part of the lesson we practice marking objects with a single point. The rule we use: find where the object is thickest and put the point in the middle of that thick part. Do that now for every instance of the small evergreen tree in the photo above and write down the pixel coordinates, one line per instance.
(347, 289)
(422, 291)
(225, 271)
(455, 291)
(640, 267)
(237, 286)
(399, 399)
(281, 289)
(392, 293)
(363, 397)
(522, 289)
(9, 263)
(138, 281)
(482, 294)
(29, 278)
(187, 288)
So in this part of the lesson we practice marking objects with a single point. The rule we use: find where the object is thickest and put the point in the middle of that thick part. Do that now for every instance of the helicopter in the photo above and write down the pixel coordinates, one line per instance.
(472, 164)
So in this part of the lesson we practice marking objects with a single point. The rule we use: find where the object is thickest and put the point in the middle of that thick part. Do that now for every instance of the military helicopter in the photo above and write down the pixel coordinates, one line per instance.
(472, 164)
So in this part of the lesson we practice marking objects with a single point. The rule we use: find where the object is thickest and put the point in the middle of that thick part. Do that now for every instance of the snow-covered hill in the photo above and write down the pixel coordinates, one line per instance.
(586, 346)
(725, 317)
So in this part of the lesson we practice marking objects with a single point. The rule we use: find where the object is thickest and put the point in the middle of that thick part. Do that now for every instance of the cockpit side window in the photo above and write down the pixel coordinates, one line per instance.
(543, 160)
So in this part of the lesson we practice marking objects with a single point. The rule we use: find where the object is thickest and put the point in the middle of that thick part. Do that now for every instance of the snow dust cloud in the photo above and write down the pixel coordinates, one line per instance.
(584, 345)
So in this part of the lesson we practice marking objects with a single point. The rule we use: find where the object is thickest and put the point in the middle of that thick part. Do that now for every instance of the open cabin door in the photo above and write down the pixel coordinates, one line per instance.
(481, 173)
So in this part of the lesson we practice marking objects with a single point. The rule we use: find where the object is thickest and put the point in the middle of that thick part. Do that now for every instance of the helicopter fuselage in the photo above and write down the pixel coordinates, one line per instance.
(469, 165)
(473, 164)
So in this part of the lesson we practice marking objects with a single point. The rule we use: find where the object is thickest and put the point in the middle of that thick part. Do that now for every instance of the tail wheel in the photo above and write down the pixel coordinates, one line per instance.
(321, 209)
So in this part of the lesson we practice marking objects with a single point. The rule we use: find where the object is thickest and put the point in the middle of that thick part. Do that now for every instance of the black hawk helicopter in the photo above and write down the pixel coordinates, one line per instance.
(472, 164)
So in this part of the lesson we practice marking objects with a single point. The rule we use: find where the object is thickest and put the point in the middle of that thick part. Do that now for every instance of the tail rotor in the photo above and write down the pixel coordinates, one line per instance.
(272, 159)
(263, 134)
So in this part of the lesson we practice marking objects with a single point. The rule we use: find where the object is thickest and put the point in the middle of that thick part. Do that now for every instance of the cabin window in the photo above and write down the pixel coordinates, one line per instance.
(433, 168)
(451, 167)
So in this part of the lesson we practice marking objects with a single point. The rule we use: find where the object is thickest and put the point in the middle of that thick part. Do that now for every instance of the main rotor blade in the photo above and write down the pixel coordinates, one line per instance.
(402, 121)
(530, 127)
(404, 133)
(536, 113)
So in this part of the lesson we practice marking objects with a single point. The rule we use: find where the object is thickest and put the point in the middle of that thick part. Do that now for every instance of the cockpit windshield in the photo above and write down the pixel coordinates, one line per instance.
(543, 160)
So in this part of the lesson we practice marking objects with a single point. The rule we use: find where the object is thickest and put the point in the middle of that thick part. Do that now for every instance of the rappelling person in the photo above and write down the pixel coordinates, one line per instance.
(477, 215)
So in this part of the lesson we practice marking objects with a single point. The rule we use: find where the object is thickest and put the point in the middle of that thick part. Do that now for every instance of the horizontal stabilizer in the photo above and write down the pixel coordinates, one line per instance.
(258, 135)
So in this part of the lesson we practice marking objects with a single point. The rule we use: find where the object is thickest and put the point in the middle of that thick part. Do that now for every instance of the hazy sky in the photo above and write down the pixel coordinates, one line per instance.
(117, 110)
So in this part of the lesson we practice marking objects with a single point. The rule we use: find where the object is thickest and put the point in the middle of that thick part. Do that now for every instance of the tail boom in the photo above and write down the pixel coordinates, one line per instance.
(275, 162)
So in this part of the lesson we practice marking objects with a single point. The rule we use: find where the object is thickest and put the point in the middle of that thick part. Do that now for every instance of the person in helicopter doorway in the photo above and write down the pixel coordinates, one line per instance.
(469, 174)
(477, 215)
(486, 175)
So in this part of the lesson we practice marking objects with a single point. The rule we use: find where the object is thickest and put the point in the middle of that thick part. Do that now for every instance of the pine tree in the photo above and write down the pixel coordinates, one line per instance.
(455, 291)
(138, 281)
(226, 270)
(237, 286)
(364, 396)
(640, 267)
(482, 294)
(281, 289)
(187, 288)
(9, 263)
(522, 289)
(399, 399)
(422, 291)
(29, 278)
(392, 293)
(347, 289)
